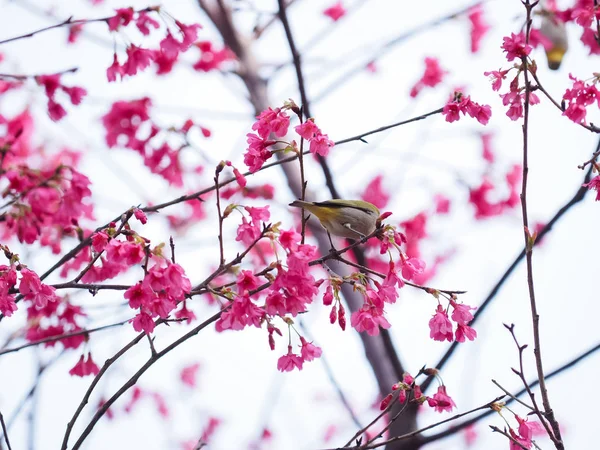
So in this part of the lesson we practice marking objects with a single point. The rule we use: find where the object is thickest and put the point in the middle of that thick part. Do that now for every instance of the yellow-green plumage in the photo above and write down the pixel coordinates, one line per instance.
(344, 218)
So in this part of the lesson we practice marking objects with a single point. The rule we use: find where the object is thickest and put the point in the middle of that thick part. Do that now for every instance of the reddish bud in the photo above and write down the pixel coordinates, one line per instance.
(385, 402)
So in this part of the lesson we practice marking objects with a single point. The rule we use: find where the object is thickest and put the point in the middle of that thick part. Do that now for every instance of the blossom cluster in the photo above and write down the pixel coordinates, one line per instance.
(116, 256)
(479, 196)
(52, 84)
(576, 99)
(441, 327)
(275, 123)
(128, 124)
(462, 104)
(409, 390)
(288, 294)
(42, 204)
(139, 58)
(584, 13)
(581, 95)
(48, 315)
(163, 287)
(515, 47)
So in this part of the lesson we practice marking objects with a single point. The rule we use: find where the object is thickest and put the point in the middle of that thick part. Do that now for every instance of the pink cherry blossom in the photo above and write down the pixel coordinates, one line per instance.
(336, 11)
(75, 93)
(185, 313)
(461, 313)
(527, 430)
(143, 322)
(246, 281)
(289, 362)
(442, 204)
(289, 239)
(515, 46)
(247, 232)
(34, 290)
(122, 18)
(140, 215)
(308, 130)
(460, 103)
(369, 319)
(257, 153)
(375, 193)
(189, 374)
(321, 145)
(85, 367)
(211, 58)
(578, 98)
(74, 33)
(441, 401)
(433, 76)
(440, 326)
(479, 27)
(309, 351)
(189, 33)
(138, 58)
(8, 280)
(412, 267)
(55, 110)
(242, 313)
(496, 76)
(464, 332)
(594, 184)
(589, 39)
(124, 119)
(272, 121)
(115, 70)
(487, 151)
(143, 22)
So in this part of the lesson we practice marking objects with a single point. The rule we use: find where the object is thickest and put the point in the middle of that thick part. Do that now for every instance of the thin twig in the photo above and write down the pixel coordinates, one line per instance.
(537, 351)
(61, 337)
(512, 396)
(172, 245)
(380, 51)
(427, 289)
(577, 197)
(109, 362)
(303, 95)
(70, 21)
(218, 170)
(390, 422)
(521, 374)
(452, 430)
(133, 380)
(360, 137)
(5, 432)
(507, 435)
(373, 422)
(328, 370)
(429, 427)
(541, 88)
(25, 77)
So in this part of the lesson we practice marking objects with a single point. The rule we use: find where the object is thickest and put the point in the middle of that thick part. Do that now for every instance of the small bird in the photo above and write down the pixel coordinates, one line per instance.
(351, 219)
(556, 32)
